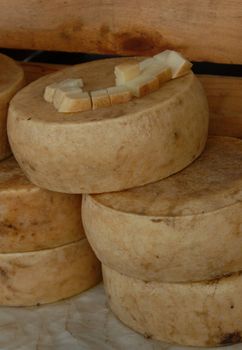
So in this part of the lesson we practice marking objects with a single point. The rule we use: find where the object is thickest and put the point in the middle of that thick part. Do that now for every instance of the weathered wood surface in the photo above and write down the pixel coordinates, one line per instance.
(224, 96)
(208, 30)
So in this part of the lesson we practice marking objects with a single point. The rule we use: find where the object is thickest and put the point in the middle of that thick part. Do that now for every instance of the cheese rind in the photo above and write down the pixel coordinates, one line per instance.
(196, 314)
(47, 276)
(32, 218)
(92, 151)
(11, 80)
(184, 228)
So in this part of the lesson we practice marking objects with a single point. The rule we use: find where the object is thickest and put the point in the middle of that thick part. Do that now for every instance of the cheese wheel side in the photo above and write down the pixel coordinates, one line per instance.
(48, 275)
(11, 80)
(32, 218)
(195, 314)
(171, 249)
(112, 148)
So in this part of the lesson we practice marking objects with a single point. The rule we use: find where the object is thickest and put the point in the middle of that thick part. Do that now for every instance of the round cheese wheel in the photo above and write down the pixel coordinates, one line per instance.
(196, 314)
(11, 80)
(112, 148)
(187, 227)
(32, 218)
(49, 275)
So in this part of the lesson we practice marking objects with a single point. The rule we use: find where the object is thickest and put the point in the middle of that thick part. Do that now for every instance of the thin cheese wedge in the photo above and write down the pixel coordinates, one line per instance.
(187, 227)
(32, 218)
(126, 71)
(61, 92)
(50, 90)
(11, 80)
(119, 94)
(76, 101)
(178, 64)
(107, 149)
(143, 85)
(46, 276)
(100, 99)
(207, 313)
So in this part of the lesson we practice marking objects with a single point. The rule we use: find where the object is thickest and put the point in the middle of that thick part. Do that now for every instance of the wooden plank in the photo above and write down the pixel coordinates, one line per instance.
(224, 97)
(208, 30)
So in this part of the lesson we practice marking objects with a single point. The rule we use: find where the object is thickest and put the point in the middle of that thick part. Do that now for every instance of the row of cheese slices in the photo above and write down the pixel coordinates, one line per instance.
(133, 78)
(44, 255)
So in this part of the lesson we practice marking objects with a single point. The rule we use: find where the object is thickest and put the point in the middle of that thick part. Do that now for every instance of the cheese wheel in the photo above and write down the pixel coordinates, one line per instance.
(196, 314)
(32, 218)
(49, 275)
(11, 80)
(187, 227)
(111, 148)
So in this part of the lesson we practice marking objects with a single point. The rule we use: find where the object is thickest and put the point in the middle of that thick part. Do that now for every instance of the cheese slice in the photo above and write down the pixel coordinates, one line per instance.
(11, 80)
(184, 228)
(32, 218)
(50, 90)
(143, 85)
(207, 313)
(119, 94)
(100, 99)
(47, 276)
(107, 149)
(126, 71)
(178, 64)
(75, 101)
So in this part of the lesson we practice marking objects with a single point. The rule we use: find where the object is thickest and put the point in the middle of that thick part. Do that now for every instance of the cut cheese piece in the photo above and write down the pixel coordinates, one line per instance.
(61, 92)
(162, 73)
(126, 71)
(51, 89)
(47, 276)
(75, 101)
(146, 63)
(119, 94)
(32, 218)
(100, 99)
(11, 80)
(196, 314)
(178, 64)
(184, 228)
(107, 149)
(143, 85)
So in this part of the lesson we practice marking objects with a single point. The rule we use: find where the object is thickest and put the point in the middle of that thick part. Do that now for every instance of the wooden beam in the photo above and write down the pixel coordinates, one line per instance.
(224, 97)
(208, 30)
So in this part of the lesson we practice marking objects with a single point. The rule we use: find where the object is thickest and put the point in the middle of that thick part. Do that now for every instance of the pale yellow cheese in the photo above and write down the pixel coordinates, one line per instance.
(32, 218)
(50, 90)
(143, 85)
(178, 64)
(100, 99)
(107, 149)
(126, 71)
(46, 276)
(196, 314)
(61, 92)
(75, 101)
(184, 228)
(11, 80)
(119, 94)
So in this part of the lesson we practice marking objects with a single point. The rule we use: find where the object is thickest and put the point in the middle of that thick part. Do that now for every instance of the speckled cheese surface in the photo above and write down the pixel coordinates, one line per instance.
(187, 227)
(112, 148)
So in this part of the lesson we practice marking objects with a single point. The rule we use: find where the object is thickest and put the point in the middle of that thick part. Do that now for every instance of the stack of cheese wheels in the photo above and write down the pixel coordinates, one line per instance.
(171, 250)
(107, 149)
(11, 80)
(44, 255)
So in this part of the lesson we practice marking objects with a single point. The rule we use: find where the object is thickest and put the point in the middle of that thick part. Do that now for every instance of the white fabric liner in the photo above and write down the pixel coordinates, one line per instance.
(82, 322)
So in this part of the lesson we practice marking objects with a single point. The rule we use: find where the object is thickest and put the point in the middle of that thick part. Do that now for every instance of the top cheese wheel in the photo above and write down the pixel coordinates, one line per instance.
(112, 148)
(32, 218)
(187, 227)
(11, 80)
